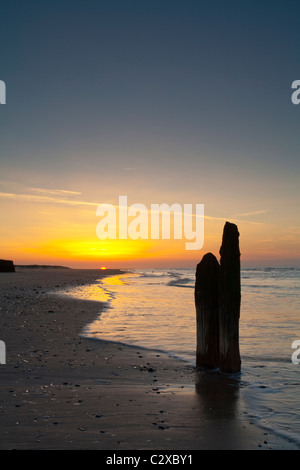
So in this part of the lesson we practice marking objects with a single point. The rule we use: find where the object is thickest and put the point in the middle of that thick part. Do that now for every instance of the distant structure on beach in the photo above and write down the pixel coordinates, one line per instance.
(217, 301)
(6, 266)
(40, 266)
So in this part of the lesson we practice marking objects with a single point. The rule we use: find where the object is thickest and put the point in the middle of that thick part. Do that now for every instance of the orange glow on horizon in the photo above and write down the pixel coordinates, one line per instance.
(90, 250)
(67, 236)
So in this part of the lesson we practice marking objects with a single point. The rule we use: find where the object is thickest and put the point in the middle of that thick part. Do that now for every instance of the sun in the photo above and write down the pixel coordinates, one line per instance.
(103, 267)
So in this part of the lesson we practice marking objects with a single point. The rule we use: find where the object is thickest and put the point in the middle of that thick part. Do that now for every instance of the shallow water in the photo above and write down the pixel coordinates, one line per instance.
(155, 309)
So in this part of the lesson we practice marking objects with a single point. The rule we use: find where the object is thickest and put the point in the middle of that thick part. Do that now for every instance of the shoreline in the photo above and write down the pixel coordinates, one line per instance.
(62, 390)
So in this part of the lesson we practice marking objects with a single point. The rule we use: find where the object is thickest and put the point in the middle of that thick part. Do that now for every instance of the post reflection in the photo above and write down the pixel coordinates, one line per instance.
(218, 394)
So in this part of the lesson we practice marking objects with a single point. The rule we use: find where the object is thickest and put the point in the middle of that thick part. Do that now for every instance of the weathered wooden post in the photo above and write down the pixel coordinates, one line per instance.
(207, 310)
(230, 300)
(217, 301)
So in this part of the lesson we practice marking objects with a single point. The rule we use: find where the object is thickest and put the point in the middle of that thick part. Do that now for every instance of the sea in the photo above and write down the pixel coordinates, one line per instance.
(154, 308)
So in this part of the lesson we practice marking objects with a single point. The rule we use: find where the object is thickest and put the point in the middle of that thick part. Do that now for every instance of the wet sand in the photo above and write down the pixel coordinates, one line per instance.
(62, 391)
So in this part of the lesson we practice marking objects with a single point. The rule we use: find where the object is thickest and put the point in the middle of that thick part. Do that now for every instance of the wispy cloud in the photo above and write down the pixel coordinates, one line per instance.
(293, 229)
(20, 192)
(61, 192)
(45, 199)
(249, 214)
(16, 187)
(233, 220)
(39, 198)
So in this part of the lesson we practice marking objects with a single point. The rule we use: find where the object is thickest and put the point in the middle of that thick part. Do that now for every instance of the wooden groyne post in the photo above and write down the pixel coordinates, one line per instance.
(217, 301)
(207, 307)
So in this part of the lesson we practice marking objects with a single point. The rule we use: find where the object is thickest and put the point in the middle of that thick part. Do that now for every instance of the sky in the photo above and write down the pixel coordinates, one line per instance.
(185, 102)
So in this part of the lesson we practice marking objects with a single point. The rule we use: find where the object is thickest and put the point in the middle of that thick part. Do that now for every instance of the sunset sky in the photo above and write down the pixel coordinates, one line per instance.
(184, 102)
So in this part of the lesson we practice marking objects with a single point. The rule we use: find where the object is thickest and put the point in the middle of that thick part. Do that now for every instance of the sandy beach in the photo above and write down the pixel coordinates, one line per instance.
(62, 391)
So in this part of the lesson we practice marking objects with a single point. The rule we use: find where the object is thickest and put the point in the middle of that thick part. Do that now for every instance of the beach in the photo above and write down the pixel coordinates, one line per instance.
(61, 390)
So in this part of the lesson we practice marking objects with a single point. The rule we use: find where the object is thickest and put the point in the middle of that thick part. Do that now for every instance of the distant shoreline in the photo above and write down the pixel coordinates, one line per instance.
(40, 266)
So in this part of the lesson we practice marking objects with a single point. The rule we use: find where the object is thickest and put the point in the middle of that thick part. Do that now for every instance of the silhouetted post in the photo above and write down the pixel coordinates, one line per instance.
(230, 300)
(207, 310)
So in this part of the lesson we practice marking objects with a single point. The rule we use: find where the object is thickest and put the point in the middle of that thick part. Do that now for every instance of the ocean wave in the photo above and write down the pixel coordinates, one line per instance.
(273, 428)
(267, 359)
(180, 281)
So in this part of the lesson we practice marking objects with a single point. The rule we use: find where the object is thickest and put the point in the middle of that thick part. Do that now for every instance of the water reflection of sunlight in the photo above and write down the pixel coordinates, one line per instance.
(89, 292)
(113, 281)
(100, 290)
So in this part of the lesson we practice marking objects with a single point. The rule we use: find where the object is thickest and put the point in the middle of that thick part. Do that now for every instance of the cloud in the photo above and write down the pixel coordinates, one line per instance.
(247, 214)
(292, 228)
(233, 220)
(45, 199)
(15, 187)
(20, 192)
(61, 192)
(69, 202)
